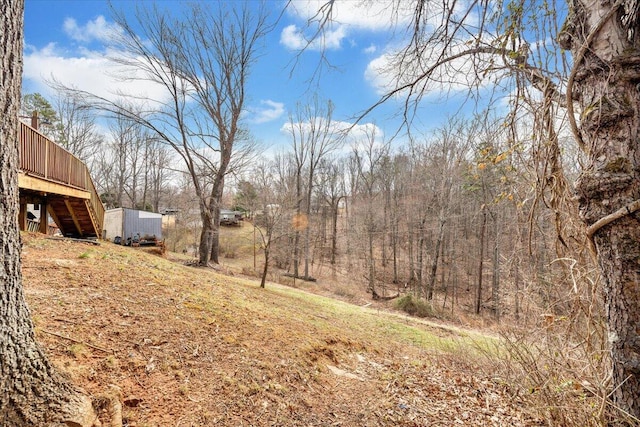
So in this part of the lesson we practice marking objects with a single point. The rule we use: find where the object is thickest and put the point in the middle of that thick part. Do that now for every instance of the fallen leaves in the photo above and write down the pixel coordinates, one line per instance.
(191, 347)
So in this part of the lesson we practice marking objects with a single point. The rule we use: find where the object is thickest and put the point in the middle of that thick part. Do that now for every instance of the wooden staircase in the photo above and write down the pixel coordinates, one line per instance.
(73, 216)
(60, 184)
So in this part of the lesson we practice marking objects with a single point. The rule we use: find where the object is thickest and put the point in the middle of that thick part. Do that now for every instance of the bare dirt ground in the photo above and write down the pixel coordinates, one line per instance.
(193, 347)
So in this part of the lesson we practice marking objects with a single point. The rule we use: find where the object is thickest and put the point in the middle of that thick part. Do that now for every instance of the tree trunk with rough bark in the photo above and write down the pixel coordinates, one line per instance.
(206, 240)
(483, 226)
(335, 207)
(32, 394)
(436, 258)
(605, 83)
(216, 199)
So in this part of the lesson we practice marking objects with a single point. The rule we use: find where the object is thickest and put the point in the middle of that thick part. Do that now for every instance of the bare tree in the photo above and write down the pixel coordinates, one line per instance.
(118, 167)
(157, 172)
(139, 153)
(131, 168)
(313, 137)
(202, 61)
(76, 128)
(33, 393)
(220, 50)
(603, 38)
(447, 156)
(369, 155)
(331, 187)
(399, 164)
(271, 202)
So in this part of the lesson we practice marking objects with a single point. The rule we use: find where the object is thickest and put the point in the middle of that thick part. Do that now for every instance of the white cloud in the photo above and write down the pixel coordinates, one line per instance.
(377, 73)
(272, 111)
(371, 49)
(332, 38)
(393, 17)
(369, 15)
(98, 29)
(351, 134)
(385, 74)
(358, 132)
(92, 71)
(294, 38)
(338, 20)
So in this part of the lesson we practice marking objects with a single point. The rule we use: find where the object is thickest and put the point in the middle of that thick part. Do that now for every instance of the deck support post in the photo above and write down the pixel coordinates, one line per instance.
(22, 215)
(44, 217)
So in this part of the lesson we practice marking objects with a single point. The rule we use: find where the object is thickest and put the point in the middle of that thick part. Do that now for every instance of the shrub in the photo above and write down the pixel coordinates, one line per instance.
(414, 306)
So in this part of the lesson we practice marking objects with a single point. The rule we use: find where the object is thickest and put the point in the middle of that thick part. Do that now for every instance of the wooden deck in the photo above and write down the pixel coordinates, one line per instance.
(60, 184)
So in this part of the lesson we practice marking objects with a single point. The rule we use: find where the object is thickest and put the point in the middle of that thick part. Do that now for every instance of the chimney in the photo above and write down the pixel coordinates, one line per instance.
(34, 120)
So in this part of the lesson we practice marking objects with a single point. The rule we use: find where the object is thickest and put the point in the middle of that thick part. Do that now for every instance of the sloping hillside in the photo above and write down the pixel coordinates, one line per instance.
(191, 347)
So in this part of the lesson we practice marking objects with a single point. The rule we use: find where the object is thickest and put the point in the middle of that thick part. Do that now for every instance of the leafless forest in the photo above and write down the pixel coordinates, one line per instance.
(461, 217)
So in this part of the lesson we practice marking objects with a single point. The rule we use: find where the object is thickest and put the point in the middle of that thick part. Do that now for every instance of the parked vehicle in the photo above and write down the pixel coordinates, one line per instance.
(231, 217)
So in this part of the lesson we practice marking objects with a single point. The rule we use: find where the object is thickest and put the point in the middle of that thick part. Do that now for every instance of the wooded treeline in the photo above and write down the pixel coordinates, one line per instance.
(454, 216)
(474, 215)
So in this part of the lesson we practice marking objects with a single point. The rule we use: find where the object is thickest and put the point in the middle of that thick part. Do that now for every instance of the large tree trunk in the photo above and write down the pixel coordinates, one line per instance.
(307, 248)
(605, 43)
(297, 227)
(372, 265)
(421, 291)
(334, 231)
(495, 278)
(410, 255)
(265, 269)
(296, 254)
(207, 232)
(436, 254)
(216, 201)
(32, 394)
(483, 227)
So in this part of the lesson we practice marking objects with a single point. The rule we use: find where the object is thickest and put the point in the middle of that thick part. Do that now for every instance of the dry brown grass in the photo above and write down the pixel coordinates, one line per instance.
(193, 347)
(560, 369)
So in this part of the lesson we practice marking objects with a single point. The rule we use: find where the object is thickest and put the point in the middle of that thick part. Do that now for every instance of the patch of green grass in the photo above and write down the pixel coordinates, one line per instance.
(331, 317)
(420, 337)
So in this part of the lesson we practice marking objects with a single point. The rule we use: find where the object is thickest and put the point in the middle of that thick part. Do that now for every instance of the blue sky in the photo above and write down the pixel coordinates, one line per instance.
(66, 39)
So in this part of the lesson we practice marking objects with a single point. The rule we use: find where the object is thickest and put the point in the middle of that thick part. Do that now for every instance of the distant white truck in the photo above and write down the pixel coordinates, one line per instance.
(132, 227)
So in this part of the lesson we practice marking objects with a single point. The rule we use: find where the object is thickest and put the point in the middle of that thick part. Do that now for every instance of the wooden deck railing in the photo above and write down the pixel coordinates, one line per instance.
(43, 158)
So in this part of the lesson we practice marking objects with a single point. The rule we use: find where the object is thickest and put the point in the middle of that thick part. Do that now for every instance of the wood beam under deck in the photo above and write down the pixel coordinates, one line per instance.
(49, 173)
(71, 210)
(54, 215)
(92, 218)
(40, 185)
(74, 216)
